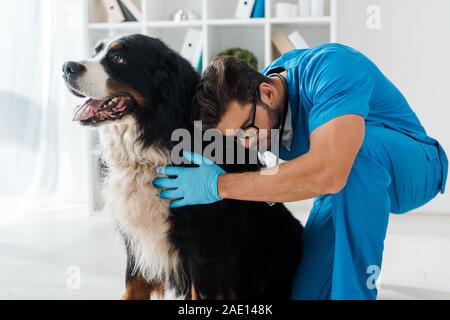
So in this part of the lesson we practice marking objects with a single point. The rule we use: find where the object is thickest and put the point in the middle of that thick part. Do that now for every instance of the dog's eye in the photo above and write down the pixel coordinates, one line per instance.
(118, 58)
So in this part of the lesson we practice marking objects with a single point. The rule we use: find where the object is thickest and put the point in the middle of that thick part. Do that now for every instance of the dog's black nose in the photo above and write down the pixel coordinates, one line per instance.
(73, 68)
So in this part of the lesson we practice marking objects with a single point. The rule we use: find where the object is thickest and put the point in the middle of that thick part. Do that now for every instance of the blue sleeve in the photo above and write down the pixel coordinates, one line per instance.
(337, 82)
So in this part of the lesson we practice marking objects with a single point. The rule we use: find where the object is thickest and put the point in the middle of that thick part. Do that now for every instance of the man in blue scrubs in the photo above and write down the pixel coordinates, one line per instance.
(350, 140)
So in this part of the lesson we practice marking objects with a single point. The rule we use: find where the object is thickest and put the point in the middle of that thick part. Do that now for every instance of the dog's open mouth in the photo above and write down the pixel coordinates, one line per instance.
(111, 108)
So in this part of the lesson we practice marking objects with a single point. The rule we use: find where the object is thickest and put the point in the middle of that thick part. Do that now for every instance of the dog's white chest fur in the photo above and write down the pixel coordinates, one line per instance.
(133, 200)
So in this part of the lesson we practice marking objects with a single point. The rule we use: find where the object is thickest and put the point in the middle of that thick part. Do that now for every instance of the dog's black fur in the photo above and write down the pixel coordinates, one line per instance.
(165, 81)
(230, 249)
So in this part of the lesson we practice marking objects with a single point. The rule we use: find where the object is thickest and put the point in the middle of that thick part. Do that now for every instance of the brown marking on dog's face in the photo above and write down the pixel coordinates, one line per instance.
(115, 87)
(116, 46)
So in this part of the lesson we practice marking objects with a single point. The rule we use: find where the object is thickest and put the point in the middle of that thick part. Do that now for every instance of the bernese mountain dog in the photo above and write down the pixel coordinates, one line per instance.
(139, 91)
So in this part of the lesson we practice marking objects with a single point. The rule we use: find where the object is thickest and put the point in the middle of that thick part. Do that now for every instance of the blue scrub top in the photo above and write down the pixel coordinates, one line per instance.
(332, 80)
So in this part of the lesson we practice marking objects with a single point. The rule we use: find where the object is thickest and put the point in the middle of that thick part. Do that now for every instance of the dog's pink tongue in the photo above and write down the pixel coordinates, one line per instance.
(88, 110)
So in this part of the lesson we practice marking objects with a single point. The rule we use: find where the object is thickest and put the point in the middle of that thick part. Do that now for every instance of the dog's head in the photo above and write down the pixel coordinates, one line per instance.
(133, 77)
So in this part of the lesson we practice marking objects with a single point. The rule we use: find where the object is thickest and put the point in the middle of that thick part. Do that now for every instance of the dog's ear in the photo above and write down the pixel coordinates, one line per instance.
(170, 89)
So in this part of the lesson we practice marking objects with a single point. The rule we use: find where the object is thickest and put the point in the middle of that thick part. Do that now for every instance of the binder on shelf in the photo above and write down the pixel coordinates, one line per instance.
(286, 10)
(244, 9)
(113, 11)
(200, 63)
(317, 8)
(297, 40)
(192, 47)
(130, 10)
(282, 43)
(305, 8)
(128, 15)
(258, 9)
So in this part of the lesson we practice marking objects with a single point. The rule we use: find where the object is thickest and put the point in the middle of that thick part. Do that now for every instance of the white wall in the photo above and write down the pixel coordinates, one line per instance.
(412, 47)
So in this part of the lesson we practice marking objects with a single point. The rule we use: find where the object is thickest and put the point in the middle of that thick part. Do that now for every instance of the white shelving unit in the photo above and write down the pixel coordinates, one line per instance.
(220, 30)
(216, 19)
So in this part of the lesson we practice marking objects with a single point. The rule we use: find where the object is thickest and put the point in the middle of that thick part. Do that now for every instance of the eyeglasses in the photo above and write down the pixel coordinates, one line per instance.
(248, 135)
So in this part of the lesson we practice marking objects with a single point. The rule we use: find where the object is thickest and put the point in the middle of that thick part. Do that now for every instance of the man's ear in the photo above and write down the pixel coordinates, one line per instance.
(267, 93)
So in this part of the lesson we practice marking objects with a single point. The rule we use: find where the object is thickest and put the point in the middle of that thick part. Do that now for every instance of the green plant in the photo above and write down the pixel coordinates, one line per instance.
(243, 54)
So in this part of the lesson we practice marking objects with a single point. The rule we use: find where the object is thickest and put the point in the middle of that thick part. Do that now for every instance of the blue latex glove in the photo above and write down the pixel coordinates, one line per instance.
(190, 185)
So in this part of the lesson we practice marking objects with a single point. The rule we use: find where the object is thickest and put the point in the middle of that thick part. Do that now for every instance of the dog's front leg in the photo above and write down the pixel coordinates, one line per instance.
(136, 287)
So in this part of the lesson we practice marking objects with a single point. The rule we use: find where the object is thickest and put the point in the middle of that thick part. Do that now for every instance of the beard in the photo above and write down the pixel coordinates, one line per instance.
(274, 114)
(275, 121)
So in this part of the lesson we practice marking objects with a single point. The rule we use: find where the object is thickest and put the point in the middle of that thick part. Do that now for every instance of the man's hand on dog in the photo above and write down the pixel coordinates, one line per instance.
(189, 185)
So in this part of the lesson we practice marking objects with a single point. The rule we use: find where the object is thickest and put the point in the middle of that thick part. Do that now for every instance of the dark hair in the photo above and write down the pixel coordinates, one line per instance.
(225, 80)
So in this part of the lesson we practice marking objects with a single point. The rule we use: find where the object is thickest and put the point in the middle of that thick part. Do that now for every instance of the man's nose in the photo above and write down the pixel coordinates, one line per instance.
(73, 69)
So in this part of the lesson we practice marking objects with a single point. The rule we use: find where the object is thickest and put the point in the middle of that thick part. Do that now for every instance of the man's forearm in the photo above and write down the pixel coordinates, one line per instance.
(299, 179)
(323, 170)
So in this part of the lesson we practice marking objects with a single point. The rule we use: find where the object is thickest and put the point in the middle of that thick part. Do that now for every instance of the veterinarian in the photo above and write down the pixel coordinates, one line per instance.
(350, 140)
